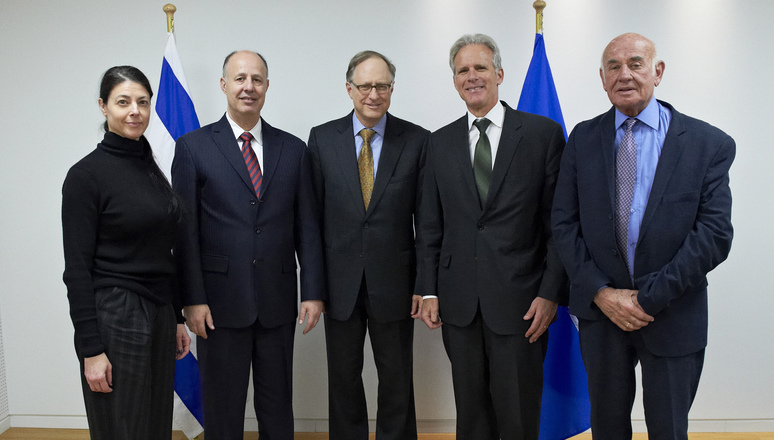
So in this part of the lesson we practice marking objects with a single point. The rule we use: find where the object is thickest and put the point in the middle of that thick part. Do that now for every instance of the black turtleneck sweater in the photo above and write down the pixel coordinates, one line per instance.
(118, 229)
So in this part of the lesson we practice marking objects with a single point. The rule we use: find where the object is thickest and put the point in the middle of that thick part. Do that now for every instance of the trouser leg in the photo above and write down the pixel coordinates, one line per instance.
(348, 415)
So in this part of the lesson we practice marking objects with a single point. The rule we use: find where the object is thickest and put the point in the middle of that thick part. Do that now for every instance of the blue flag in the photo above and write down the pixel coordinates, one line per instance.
(565, 410)
(174, 116)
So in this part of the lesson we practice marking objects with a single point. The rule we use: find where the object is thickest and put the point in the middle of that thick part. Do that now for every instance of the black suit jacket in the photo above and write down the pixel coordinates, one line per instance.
(686, 229)
(500, 257)
(238, 253)
(378, 242)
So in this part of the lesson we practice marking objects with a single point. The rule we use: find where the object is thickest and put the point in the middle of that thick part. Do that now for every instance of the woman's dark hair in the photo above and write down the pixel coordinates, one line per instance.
(117, 75)
(110, 79)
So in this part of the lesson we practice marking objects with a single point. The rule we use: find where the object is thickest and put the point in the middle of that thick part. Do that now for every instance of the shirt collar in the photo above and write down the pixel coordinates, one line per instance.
(255, 131)
(649, 116)
(496, 116)
(378, 128)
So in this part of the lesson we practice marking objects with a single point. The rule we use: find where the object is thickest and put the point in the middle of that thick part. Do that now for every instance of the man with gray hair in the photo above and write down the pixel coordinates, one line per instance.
(642, 214)
(488, 266)
(367, 169)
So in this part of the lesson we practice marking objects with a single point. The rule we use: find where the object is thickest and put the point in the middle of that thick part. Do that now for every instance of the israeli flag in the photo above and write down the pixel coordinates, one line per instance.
(565, 410)
(174, 116)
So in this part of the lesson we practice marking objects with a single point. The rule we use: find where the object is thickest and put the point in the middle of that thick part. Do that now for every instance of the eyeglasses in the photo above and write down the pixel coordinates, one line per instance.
(366, 88)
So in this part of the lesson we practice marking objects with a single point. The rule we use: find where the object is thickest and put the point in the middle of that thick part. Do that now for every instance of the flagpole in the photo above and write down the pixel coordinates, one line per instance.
(539, 5)
(170, 9)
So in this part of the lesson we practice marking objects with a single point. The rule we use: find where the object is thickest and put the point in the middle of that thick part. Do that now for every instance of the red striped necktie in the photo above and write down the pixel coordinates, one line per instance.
(253, 168)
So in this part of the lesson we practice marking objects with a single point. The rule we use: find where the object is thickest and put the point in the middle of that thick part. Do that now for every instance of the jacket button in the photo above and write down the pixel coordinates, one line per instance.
(252, 202)
(258, 230)
(481, 226)
(615, 252)
(365, 225)
(361, 255)
(255, 262)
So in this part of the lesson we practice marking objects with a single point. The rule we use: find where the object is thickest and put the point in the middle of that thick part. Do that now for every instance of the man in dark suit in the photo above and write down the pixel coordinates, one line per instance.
(367, 169)
(248, 191)
(486, 250)
(642, 213)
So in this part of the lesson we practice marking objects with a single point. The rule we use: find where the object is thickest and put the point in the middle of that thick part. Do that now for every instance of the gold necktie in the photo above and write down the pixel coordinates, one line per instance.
(365, 165)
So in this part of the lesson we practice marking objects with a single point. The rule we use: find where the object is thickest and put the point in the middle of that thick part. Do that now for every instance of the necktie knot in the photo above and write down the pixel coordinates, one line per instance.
(482, 124)
(367, 134)
(630, 123)
(246, 137)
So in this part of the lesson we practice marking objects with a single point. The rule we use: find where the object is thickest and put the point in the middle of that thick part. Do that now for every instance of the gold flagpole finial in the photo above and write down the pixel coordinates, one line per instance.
(539, 5)
(170, 9)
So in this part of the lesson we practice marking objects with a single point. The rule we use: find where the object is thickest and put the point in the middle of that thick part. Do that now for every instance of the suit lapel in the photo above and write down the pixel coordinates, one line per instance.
(345, 151)
(224, 138)
(670, 155)
(458, 153)
(392, 147)
(606, 141)
(506, 149)
(272, 150)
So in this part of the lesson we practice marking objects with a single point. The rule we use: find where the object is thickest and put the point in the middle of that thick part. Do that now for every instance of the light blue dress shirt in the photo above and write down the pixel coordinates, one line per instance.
(649, 134)
(376, 139)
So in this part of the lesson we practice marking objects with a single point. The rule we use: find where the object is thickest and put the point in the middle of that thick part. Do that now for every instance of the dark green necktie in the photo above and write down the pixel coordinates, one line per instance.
(482, 161)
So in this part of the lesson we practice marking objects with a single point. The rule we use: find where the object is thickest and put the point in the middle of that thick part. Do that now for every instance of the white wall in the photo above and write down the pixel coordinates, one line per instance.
(5, 421)
(719, 68)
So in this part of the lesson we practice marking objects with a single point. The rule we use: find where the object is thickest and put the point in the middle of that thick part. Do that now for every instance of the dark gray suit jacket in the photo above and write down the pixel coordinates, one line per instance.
(500, 257)
(378, 242)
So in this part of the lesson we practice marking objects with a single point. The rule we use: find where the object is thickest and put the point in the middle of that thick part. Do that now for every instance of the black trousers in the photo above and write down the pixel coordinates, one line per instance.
(392, 345)
(225, 358)
(139, 336)
(669, 384)
(498, 382)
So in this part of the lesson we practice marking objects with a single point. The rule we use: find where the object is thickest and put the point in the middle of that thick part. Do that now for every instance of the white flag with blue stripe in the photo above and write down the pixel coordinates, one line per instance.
(172, 117)
(174, 114)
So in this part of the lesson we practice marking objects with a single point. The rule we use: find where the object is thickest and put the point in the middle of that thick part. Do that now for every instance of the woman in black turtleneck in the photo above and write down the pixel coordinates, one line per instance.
(119, 217)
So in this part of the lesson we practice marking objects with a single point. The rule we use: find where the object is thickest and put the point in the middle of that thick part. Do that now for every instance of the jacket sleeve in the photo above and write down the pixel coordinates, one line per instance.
(430, 229)
(554, 285)
(586, 277)
(307, 234)
(187, 249)
(705, 246)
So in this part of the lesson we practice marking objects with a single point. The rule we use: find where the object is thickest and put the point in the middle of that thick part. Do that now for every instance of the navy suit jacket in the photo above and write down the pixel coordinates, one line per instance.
(237, 253)
(500, 257)
(686, 228)
(378, 242)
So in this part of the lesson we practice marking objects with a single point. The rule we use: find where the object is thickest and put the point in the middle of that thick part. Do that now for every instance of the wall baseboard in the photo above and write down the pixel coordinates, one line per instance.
(49, 421)
(423, 426)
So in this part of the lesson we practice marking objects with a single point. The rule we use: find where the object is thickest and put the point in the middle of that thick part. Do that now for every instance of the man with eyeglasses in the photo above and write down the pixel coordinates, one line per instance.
(367, 168)
(487, 259)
